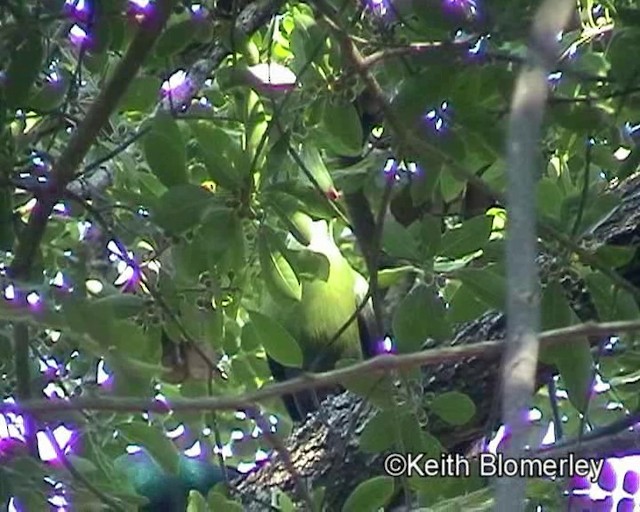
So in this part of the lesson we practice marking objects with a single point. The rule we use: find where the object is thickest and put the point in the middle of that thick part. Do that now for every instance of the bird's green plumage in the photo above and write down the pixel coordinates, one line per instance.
(326, 304)
(167, 492)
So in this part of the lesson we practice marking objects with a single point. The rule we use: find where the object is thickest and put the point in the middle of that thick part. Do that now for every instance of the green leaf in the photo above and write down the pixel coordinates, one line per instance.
(398, 241)
(413, 98)
(317, 168)
(370, 495)
(285, 504)
(84, 318)
(217, 229)
(419, 315)
(141, 94)
(391, 276)
(181, 208)
(342, 129)
(196, 502)
(289, 210)
(624, 65)
(280, 277)
(84, 466)
(121, 305)
(453, 407)
(24, 67)
(375, 437)
(220, 503)
(466, 239)
(556, 312)
(615, 256)
(159, 446)
(175, 38)
(219, 153)
(465, 306)
(549, 198)
(612, 303)
(575, 363)
(165, 151)
(486, 284)
(276, 340)
(572, 357)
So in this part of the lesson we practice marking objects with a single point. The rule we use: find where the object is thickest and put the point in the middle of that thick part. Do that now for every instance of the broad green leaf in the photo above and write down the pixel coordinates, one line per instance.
(84, 318)
(398, 241)
(316, 167)
(576, 366)
(181, 208)
(294, 219)
(419, 315)
(342, 129)
(285, 503)
(220, 503)
(612, 303)
(279, 275)
(158, 445)
(219, 153)
(141, 95)
(81, 464)
(370, 495)
(465, 305)
(466, 239)
(453, 407)
(415, 439)
(165, 151)
(175, 38)
(624, 67)
(573, 357)
(549, 198)
(486, 284)
(555, 312)
(122, 305)
(196, 502)
(377, 434)
(24, 67)
(391, 276)
(430, 235)
(277, 341)
(450, 187)
(414, 98)
(615, 256)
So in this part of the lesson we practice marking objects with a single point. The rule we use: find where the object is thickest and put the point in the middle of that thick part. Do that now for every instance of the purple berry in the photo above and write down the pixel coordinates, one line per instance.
(631, 482)
(607, 480)
(625, 505)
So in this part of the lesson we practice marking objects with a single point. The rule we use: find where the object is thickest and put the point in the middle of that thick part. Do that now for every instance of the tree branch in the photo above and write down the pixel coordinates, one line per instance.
(523, 305)
(63, 172)
(381, 363)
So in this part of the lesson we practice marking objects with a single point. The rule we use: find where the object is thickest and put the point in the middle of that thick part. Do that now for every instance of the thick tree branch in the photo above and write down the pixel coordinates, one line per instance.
(523, 306)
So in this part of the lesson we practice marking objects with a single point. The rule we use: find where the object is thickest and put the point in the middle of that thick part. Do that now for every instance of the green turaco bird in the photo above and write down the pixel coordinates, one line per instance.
(326, 305)
(167, 492)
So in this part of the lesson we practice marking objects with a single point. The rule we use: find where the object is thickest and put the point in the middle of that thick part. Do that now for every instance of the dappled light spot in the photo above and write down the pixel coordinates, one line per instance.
(78, 10)
(78, 36)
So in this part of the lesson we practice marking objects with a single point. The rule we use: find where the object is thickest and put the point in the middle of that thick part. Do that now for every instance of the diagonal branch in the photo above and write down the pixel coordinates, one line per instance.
(378, 364)
(63, 172)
